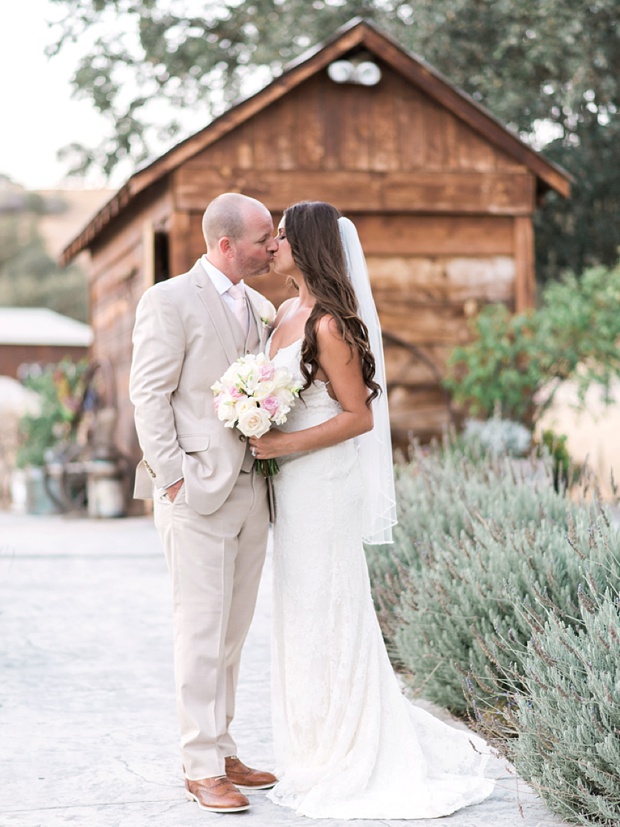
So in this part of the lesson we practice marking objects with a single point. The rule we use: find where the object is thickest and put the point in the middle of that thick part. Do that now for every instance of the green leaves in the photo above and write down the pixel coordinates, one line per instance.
(516, 362)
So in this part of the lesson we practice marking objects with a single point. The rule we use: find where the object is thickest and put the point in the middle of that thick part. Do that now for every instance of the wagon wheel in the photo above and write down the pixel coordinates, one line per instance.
(417, 355)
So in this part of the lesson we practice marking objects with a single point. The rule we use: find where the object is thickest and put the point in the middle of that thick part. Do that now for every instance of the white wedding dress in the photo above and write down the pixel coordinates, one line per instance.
(348, 744)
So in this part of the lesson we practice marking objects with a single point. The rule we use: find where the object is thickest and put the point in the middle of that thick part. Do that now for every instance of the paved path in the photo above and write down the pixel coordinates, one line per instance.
(87, 721)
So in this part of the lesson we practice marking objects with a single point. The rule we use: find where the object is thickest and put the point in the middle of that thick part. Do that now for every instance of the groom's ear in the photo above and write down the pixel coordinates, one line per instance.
(226, 247)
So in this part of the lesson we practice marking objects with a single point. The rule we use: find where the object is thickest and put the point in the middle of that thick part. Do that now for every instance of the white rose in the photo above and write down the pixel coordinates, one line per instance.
(244, 404)
(254, 422)
(267, 313)
(226, 411)
(264, 389)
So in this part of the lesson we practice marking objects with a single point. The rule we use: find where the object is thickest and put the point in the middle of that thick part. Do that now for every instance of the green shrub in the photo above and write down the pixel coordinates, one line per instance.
(499, 599)
(517, 362)
(469, 610)
(443, 491)
(567, 715)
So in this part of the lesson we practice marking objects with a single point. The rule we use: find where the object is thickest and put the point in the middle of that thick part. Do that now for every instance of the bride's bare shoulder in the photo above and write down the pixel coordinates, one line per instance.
(327, 329)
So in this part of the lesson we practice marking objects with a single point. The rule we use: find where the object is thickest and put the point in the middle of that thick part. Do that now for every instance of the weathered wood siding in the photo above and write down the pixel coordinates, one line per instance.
(444, 216)
(121, 269)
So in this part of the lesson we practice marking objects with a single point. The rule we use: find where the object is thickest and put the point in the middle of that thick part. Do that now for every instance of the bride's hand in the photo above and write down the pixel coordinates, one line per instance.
(271, 445)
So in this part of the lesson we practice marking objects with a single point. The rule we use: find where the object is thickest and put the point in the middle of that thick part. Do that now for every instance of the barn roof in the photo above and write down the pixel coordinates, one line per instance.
(355, 35)
(41, 326)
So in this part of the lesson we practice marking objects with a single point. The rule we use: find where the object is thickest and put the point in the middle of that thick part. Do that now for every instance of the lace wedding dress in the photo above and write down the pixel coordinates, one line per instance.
(348, 744)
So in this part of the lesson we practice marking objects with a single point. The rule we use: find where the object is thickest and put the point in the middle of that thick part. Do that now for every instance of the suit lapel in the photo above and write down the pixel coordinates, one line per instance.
(256, 322)
(222, 320)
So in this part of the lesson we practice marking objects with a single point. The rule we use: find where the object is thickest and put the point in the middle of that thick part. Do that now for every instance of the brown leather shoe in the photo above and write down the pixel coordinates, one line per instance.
(216, 795)
(245, 777)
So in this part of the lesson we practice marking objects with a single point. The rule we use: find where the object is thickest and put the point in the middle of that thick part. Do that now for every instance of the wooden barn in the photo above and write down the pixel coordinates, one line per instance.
(442, 194)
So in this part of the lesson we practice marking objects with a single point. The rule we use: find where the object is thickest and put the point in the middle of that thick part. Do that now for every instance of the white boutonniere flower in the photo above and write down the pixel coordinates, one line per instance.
(267, 313)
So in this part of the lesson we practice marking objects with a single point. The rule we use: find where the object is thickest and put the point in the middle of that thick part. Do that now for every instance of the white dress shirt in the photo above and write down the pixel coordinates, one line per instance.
(221, 282)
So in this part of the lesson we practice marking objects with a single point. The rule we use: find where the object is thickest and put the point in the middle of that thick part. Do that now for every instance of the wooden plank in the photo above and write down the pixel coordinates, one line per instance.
(525, 279)
(427, 79)
(433, 136)
(357, 131)
(491, 193)
(384, 155)
(461, 192)
(420, 324)
(474, 153)
(409, 108)
(156, 206)
(420, 235)
(442, 279)
(311, 139)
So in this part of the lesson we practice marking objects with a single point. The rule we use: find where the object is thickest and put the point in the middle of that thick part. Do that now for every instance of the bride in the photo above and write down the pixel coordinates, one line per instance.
(348, 744)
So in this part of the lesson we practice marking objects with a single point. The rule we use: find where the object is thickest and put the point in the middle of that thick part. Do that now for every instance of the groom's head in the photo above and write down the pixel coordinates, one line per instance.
(238, 231)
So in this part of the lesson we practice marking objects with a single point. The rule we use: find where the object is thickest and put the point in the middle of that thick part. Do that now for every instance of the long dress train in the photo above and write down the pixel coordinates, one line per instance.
(348, 744)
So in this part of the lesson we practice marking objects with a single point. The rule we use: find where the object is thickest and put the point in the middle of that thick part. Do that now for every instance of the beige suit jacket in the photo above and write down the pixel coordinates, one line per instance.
(184, 338)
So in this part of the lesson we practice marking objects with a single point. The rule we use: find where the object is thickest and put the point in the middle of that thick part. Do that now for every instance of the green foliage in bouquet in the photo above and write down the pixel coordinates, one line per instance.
(517, 362)
(60, 389)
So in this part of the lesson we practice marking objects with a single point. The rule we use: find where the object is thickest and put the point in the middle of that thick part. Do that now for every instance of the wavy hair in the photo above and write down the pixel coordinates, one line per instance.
(312, 231)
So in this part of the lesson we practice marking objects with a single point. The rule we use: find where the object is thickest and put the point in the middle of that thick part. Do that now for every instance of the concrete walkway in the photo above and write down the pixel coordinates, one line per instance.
(88, 730)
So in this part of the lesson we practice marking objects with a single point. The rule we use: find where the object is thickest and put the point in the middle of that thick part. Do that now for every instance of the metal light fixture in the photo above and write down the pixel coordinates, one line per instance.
(360, 70)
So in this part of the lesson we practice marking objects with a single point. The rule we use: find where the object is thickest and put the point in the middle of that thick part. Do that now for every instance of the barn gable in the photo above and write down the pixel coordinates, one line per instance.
(424, 91)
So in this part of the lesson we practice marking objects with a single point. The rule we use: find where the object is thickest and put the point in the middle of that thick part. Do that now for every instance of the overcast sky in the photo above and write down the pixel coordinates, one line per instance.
(37, 113)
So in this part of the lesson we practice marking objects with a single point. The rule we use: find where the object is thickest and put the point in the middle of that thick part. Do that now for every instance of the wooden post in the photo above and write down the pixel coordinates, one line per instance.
(180, 242)
(525, 279)
(148, 254)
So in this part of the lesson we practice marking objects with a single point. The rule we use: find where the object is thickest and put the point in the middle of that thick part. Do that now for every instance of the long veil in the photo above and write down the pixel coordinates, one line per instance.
(375, 447)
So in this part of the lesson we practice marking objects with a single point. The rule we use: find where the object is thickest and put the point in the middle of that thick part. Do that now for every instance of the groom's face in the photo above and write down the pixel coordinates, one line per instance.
(253, 252)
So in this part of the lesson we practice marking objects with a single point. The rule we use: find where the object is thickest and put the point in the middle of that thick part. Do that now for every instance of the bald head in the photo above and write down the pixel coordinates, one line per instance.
(227, 215)
(239, 235)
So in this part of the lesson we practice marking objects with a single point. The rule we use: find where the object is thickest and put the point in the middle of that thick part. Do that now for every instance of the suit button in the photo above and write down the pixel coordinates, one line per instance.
(242, 437)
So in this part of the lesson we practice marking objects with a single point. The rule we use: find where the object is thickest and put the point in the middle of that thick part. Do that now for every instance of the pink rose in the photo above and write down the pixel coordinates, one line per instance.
(271, 405)
(267, 371)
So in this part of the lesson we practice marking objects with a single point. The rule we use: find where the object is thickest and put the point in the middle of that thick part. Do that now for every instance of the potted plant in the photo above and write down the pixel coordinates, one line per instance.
(59, 388)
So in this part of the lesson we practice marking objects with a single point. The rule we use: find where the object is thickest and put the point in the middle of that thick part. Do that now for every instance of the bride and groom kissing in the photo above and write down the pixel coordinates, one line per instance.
(347, 743)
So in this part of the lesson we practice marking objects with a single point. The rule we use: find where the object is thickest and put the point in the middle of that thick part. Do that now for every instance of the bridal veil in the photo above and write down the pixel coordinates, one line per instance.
(375, 447)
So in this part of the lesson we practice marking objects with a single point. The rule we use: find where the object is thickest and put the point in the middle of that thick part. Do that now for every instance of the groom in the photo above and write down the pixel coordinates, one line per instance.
(211, 510)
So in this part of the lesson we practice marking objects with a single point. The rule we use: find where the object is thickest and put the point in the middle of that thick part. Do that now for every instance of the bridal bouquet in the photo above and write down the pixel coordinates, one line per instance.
(252, 396)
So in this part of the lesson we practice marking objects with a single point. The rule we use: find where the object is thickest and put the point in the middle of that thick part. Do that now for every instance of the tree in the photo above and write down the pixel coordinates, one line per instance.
(29, 276)
(533, 63)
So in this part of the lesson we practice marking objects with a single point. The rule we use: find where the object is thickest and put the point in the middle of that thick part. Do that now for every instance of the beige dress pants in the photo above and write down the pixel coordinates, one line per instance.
(215, 564)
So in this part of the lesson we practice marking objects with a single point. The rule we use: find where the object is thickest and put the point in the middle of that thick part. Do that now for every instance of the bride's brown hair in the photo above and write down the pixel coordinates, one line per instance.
(311, 229)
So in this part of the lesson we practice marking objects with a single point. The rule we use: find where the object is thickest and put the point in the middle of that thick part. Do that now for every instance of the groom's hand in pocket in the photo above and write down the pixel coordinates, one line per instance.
(173, 489)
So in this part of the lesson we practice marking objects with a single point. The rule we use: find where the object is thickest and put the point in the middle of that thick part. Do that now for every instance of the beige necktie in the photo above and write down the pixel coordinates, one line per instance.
(237, 291)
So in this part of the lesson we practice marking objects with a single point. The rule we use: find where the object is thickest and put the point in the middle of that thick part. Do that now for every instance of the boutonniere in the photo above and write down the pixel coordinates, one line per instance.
(267, 313)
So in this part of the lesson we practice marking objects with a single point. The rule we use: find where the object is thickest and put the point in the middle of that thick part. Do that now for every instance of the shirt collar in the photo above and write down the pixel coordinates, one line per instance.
(220, 281)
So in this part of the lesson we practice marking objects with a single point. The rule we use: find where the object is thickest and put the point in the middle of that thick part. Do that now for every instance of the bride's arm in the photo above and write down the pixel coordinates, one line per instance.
(343, 369)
